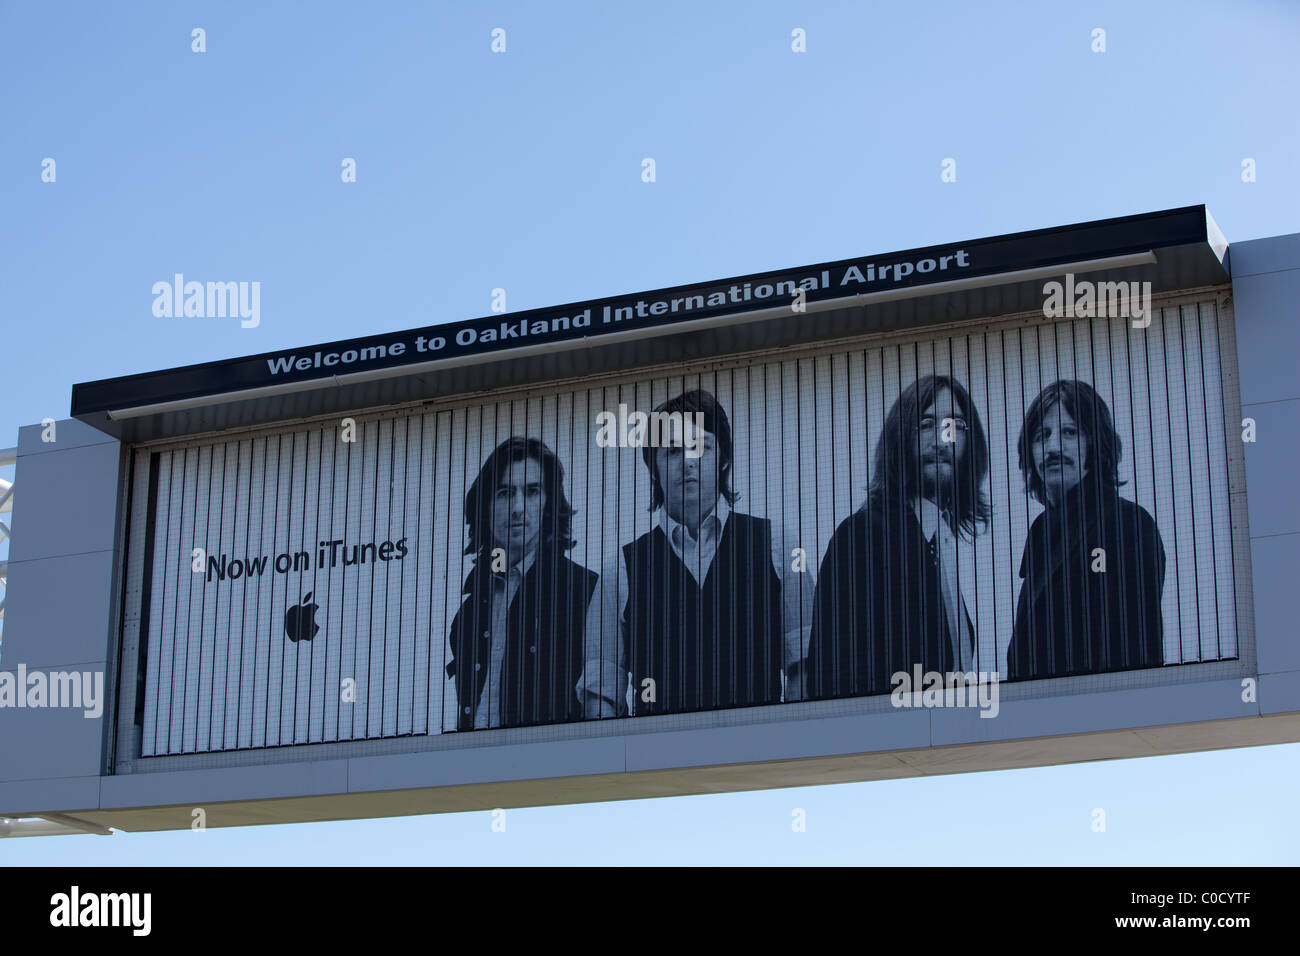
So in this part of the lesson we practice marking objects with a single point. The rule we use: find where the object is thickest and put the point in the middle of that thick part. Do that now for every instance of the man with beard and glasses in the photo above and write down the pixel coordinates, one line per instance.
(889, 592)
(1094, 564)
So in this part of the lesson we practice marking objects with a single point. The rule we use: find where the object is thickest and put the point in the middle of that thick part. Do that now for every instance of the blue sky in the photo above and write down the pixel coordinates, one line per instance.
(522, 171)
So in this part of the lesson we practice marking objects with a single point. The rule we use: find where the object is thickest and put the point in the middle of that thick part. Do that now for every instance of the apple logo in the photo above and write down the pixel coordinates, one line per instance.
(300, 621)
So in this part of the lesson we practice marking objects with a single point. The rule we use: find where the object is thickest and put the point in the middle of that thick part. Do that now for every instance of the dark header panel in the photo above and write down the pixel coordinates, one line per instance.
(783, 304)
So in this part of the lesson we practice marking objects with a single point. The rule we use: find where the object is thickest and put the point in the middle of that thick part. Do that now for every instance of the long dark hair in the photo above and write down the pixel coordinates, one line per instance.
(557, 516)
(897, 458)
(1092, 415)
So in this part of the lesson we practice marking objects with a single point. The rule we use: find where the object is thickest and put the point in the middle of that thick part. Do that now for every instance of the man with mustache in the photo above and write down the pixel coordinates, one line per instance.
(889, 592)
(516, 641)
(704, 610)
(1094, 563)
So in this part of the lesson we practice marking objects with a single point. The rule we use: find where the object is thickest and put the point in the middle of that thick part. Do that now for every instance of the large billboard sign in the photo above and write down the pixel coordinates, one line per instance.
(889, 519)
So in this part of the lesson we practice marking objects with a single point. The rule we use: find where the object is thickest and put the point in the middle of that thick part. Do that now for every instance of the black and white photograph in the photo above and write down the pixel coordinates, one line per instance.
(994, 505)
(703, 610)
(1094, 564)
(516, 642)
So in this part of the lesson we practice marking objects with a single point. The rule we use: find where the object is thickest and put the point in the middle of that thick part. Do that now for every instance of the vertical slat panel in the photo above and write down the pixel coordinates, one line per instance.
(246, 668)
(326, 439)
(387, 577)
(1221, 641)
(164, 574)
(198, 529)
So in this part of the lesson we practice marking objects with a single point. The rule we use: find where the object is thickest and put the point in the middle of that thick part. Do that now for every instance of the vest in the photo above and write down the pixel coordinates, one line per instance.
(544, 649)
(705, 646)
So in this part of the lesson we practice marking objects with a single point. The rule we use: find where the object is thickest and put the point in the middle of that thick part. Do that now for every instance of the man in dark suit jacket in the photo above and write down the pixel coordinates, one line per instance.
(1094, 564)
(888, 592)
(516, 642)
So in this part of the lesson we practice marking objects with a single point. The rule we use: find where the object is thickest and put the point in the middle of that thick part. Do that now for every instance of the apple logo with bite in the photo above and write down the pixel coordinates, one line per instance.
(300, 621)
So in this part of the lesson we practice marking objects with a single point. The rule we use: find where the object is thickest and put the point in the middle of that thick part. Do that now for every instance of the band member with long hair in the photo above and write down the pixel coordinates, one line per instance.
(889, 593)
(516, 642)
(1094, 563)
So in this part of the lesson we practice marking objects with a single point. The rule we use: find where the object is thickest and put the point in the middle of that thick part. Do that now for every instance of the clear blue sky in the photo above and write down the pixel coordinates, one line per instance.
(522, 171)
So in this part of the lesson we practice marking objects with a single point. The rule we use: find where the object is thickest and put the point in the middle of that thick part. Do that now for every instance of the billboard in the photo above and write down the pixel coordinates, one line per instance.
(1025, 501)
